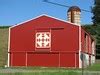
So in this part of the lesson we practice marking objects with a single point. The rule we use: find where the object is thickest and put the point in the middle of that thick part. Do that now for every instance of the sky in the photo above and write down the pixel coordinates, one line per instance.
(16, 11)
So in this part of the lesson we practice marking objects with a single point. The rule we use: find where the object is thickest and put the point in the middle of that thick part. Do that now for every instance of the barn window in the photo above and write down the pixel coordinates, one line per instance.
(43, 40)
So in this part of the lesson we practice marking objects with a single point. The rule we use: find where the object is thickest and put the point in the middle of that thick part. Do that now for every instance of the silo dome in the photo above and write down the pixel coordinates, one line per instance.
(74, 8)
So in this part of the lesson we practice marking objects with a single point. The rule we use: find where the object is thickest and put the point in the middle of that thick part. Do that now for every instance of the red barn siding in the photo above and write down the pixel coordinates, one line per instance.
(77, 60)
(90, 45)
(44, 59)
(65, 42)
(88, 48)
(17, 59)
(65, 61)
(27, 35)
(83, 40)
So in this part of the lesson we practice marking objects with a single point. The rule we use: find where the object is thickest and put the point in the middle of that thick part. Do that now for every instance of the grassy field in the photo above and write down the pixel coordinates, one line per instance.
(95, 67)
(3, 46)
(37, 71)
(46, 71)
(43, 73)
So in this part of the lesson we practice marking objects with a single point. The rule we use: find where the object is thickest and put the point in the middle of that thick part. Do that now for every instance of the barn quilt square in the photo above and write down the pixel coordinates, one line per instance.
(43, 40)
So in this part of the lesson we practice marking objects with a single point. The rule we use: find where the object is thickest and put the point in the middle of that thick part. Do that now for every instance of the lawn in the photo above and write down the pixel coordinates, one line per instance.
(38, 71)
(43, 73)
(49, 71)
(94, 67)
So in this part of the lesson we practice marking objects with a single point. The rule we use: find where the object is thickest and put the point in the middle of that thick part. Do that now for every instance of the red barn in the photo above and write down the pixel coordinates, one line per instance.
(50, 42)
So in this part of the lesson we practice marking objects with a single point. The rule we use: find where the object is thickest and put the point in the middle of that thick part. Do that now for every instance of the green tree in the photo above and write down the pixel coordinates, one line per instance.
(96, 12)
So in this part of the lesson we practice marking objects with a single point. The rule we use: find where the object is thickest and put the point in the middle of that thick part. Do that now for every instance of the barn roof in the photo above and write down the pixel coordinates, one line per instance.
(45, 16)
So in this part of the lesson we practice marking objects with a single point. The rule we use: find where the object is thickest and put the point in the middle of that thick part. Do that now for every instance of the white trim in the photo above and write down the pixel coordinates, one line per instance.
(11, 59)
(93, 47)
(80, 62)
(47, 16)
(26, 60)
(35, 39)
(8, 62)
(50, 40)
(59, 59)
(75, 60)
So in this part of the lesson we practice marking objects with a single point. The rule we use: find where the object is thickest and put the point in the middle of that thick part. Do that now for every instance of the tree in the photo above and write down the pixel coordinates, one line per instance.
(96, 12)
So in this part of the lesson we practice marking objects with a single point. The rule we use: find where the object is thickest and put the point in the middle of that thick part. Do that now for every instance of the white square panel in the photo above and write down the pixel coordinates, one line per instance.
(43, 40)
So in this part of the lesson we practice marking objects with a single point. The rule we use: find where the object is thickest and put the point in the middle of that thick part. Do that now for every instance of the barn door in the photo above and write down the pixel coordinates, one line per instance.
(42, 40)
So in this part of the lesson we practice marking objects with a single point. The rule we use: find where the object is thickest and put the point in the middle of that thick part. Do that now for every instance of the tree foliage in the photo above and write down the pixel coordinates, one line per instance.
(96, 12)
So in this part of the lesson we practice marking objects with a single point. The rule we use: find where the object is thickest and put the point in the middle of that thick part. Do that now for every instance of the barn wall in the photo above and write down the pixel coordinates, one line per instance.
(43, 59)
(92, 59)
(90, 45)
(87, 60)
(93, 48)
(22, 40)
(66, 62)
(25, 34)
(88, 48)
(17, 59)
(64, 39)
(86, 42)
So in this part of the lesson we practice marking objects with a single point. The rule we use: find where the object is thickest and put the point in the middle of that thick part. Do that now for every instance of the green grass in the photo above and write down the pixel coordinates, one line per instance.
(3, 46)
(49, 71)
(39, 71)
(94, 67)
(42, 73)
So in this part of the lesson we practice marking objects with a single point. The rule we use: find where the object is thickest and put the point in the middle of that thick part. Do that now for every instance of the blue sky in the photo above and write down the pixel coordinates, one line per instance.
(15, 11)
